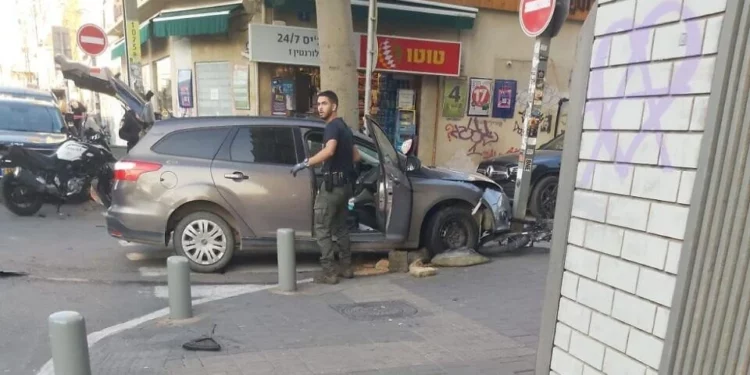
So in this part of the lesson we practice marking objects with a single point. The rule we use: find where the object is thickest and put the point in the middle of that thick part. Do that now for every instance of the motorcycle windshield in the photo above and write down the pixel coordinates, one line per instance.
(103, 81)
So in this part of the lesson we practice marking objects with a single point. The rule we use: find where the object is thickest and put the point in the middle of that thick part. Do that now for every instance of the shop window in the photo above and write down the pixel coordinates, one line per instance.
(163, 92)
(293, 90)
(198, 143)
(268, 145)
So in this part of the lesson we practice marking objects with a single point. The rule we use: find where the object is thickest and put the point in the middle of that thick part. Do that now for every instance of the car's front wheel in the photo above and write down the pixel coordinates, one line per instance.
(206, 240)
(451, 228)
(544, 198)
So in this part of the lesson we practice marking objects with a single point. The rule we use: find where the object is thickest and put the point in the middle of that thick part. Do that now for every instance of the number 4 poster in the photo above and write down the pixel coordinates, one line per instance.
(454, 97)
(480, 97)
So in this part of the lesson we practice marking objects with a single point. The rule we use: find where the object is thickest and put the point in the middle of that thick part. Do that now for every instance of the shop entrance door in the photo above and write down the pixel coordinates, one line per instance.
(214, 88)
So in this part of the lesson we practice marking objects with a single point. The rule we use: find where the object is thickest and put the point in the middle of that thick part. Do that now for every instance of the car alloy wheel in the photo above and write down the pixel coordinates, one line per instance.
(204, 242)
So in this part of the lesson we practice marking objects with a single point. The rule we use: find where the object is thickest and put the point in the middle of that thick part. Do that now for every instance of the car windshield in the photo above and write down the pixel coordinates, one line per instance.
(30, 117)
(555, 144)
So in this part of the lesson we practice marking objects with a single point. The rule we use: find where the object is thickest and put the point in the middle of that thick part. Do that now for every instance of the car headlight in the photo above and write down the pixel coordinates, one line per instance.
(17, 171)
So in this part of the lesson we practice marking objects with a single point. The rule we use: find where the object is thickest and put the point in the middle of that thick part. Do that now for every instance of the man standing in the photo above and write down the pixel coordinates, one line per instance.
(338, 156)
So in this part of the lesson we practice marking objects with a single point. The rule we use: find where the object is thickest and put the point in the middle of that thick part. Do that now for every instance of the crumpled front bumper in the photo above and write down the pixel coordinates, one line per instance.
(495, 217)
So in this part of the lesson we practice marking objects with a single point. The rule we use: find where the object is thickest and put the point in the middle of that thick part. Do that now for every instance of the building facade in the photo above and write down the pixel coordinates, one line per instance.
(261, 58)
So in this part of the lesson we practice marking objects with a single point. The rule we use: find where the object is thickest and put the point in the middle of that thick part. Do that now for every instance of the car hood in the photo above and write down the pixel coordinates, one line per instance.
(30, 139)
(103, 81)
(512, 158)
(440, 173)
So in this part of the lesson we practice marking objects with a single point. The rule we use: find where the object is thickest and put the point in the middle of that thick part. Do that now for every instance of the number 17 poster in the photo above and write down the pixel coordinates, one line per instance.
(454, 97)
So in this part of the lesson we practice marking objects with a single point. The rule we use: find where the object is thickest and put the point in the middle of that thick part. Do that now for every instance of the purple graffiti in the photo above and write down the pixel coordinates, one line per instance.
(604, 110)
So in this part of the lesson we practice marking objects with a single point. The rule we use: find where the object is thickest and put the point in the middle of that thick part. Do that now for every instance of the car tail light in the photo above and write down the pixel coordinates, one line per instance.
(129, 170)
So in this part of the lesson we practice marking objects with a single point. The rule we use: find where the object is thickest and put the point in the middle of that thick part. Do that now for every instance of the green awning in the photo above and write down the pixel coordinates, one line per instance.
(396, 12)
(197, 21)
(119, 49)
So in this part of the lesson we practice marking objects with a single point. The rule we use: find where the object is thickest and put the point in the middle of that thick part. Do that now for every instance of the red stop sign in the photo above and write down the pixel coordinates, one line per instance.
(92, 39)
(535, 16)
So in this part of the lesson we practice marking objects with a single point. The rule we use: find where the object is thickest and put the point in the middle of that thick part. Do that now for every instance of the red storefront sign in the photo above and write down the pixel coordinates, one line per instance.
(417, 56)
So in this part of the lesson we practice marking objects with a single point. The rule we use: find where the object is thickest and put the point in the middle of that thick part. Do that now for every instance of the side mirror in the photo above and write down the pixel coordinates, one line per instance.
(413, 163)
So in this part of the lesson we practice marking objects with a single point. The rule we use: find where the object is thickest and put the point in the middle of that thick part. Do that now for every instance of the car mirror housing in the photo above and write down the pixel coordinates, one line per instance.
(413, 163)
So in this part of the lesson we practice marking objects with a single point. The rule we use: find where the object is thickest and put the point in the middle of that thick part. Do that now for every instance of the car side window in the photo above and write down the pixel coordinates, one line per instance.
(262, 144)
(195, 143)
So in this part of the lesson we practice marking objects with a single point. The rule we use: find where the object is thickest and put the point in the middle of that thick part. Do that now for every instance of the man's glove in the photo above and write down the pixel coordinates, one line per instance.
(298, 167)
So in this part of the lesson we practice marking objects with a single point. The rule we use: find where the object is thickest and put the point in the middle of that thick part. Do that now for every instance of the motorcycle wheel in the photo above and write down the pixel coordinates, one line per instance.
(19, 199)
(105, 193)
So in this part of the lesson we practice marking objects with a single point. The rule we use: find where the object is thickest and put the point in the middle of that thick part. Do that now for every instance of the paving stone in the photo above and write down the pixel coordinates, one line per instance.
(476, 320)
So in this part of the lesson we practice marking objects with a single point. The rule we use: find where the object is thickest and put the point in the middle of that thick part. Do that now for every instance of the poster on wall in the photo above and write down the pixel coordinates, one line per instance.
(185, 88)
(504, 103)
(282, 96)
(454, 97)
(241, 87)
(480, 97)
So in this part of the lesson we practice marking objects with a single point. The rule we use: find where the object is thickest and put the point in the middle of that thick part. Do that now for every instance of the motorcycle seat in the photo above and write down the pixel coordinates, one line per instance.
(32, 158)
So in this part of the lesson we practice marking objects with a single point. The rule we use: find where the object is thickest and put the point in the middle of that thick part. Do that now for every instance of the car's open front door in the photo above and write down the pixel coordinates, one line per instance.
(393, 196)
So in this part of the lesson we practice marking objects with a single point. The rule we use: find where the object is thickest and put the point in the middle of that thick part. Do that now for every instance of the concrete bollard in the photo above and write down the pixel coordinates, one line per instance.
(178, 280)
(68, 343)
(286, 258)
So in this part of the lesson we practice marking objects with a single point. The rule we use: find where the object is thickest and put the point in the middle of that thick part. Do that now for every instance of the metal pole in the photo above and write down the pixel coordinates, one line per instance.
(68, 343)
(532, 119)
(372, 26)
(286, 260)
(178, 283)
(132, 28)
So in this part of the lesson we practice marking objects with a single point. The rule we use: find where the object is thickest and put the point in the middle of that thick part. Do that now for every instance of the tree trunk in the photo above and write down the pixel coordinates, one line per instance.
(338, 66)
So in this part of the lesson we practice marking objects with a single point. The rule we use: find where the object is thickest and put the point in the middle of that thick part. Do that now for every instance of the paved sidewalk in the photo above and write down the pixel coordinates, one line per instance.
(478, 320)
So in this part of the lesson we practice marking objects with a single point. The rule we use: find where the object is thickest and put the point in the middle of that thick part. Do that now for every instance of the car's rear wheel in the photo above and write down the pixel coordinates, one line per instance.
(451, 228)
(206, 240)
(544, 198)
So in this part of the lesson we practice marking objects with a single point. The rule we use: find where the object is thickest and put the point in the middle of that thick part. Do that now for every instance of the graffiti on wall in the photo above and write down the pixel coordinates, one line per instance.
(480, 134)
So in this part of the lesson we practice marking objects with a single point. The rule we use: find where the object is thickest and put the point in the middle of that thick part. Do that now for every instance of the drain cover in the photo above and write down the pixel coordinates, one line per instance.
(367, 311)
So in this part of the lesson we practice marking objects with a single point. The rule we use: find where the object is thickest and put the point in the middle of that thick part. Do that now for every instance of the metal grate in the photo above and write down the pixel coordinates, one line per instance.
(378, 310)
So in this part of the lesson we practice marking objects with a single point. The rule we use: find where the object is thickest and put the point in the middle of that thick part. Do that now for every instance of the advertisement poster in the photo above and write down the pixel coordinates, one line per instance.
(282, 96)
(454, 97)
(241, 87)
(480, 97)
(185, 88)
(505, 99)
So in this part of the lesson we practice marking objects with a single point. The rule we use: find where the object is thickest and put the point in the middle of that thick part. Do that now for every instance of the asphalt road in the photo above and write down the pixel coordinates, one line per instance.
(53, 262)
(69, 262)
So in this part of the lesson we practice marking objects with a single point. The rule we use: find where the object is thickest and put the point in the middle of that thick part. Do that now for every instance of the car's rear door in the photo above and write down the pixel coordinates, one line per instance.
(394, 197)
(252, 173)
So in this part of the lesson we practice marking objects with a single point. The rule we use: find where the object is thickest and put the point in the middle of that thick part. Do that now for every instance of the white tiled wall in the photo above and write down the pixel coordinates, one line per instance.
(651, 71)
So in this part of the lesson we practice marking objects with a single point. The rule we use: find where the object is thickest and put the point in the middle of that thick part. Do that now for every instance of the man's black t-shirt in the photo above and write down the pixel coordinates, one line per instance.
(342, 160)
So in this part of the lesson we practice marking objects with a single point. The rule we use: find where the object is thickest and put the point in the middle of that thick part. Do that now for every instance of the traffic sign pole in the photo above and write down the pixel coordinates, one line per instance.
(542, 20)
(531, 122)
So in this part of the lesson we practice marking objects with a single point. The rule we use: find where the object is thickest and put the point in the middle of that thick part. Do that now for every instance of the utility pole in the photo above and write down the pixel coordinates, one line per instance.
(132, 28)
(372, 43)
(541, 21)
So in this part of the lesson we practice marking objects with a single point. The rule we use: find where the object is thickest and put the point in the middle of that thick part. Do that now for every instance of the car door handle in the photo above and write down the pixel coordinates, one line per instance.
(236, 176)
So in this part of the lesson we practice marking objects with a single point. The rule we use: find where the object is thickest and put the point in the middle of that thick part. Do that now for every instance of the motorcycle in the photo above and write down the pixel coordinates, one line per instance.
(82, 164)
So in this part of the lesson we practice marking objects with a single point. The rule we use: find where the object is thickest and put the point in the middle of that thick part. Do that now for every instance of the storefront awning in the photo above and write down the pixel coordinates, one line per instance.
(414, 12)
(119, 46)
(194, 21)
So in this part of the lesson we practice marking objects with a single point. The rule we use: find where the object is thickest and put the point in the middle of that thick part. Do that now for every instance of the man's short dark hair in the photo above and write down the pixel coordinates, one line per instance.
(330, 95)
